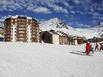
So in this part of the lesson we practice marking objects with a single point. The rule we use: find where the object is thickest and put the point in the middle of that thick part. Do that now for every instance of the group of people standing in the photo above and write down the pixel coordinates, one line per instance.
(89, 47)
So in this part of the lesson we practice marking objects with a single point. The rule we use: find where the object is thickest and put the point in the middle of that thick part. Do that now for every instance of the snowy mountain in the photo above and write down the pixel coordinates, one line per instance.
(45, 60)
(54, 23)
(100, 29)
(58, 25)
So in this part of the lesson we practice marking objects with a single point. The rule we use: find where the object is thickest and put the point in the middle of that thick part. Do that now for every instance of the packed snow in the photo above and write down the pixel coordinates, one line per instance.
(47, 60)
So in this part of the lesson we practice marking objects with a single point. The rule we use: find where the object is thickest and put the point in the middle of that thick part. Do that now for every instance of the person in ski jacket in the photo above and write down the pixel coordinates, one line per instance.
(96, 47)
(88, 47)
(101, 46)
(92, 49)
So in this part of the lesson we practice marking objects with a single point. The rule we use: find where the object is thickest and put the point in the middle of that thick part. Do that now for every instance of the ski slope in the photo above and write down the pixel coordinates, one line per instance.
(46, 60)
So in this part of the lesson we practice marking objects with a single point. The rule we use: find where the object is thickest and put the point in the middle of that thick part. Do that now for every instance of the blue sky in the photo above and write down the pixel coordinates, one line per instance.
(76, 13)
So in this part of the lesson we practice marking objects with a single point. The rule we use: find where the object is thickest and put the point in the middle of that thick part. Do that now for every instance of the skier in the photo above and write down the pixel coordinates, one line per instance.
(96, 47)
(88, 47)
(91, 49)
(101, 46)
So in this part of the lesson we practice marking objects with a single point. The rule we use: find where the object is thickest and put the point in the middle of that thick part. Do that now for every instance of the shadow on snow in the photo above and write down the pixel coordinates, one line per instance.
(80, 53)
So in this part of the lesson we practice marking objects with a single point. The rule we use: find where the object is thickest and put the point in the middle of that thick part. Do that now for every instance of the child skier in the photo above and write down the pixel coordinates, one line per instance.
(91, 49)
(88, 47)
(101, 46)
(96, 47)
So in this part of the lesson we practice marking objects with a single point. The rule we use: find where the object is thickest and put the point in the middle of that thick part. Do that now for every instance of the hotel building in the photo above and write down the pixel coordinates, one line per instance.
(21, 29)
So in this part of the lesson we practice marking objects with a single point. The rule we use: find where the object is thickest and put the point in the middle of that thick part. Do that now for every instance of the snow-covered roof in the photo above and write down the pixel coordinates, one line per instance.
(56, 33)
(21, 16)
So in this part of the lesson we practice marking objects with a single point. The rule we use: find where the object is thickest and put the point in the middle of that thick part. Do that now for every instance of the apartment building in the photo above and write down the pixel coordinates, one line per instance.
(21, 29)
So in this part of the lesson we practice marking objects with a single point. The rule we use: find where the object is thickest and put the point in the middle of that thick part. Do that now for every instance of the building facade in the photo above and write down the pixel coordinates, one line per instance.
(64, 39)
(49, 37)
(21, 29)
(54, 37)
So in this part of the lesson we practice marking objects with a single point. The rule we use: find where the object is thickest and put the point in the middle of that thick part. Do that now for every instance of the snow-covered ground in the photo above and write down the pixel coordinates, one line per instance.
(46, 60)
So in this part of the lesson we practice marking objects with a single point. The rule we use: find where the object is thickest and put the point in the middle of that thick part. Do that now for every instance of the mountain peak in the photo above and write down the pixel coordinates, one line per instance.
(54, 23)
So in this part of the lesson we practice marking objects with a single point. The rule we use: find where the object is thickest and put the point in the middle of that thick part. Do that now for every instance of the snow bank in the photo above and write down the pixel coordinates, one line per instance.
(46, 60)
